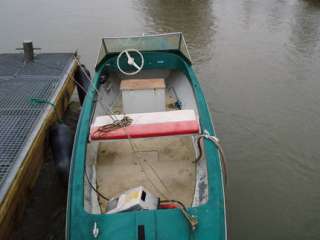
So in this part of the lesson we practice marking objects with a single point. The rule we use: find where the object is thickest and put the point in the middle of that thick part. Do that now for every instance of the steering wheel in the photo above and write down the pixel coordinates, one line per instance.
(131, 61)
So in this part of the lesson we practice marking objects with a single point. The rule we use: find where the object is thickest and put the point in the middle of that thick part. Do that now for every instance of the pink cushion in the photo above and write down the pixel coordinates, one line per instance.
(148, 125)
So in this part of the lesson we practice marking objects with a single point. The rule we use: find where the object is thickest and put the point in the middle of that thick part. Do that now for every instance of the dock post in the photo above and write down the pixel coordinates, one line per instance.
(28, 50)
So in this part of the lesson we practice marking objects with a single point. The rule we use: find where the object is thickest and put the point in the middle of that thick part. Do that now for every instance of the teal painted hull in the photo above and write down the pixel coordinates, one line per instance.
(158, 224)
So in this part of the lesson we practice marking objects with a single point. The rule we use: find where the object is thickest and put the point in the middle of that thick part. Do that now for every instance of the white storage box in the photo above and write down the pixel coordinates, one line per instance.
(143, 95)
(133, 199)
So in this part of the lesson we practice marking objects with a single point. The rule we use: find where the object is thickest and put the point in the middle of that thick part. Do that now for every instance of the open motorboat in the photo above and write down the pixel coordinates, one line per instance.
(146, 163)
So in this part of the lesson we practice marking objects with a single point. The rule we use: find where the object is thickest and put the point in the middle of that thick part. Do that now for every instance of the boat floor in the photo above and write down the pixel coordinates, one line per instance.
(162, 165)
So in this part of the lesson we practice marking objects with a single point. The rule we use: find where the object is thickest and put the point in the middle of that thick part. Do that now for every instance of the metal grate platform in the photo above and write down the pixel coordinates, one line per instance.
(19, 83)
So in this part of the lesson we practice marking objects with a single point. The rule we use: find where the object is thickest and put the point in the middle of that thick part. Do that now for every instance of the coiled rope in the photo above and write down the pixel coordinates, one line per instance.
(116, 124)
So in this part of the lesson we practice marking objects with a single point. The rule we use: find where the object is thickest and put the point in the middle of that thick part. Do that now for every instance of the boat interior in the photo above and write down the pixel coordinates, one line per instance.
(157, 150)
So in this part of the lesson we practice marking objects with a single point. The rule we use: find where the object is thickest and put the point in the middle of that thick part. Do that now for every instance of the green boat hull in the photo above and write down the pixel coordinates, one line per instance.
(158, 224)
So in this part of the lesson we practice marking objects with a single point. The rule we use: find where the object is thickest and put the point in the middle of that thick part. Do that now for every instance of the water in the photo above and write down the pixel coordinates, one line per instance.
(259, 65)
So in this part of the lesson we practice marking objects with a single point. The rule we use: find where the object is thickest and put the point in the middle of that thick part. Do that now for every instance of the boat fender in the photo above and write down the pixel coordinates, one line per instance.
(61, 141)
(81, 76)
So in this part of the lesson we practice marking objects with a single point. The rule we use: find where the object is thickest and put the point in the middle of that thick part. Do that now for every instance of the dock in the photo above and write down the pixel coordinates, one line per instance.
(34, 93)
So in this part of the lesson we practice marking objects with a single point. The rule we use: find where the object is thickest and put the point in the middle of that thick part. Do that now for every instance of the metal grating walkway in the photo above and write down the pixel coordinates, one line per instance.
(19, 83)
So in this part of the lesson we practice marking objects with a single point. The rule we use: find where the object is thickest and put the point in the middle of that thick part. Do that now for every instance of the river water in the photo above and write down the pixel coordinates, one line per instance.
(259, 65)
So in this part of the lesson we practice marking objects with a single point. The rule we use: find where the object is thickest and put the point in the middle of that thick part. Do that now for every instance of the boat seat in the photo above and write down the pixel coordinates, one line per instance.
(143, 95)
(154, 124)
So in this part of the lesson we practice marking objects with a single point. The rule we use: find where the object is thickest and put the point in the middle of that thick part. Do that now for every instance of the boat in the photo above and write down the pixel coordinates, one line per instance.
(146, 163)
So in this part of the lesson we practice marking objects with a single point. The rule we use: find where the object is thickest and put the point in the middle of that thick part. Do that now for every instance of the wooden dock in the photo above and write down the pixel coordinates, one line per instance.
(24, 123)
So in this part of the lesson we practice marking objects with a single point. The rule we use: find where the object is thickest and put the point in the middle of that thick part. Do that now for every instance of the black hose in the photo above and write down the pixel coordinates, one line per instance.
(93, 188)
(219, 147)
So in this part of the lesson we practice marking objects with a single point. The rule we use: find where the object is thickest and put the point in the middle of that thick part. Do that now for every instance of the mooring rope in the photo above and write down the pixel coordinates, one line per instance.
(119, 122)
(44, 101)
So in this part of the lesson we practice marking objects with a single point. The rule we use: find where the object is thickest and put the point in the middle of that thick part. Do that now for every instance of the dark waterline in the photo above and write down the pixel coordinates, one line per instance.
(259, 65)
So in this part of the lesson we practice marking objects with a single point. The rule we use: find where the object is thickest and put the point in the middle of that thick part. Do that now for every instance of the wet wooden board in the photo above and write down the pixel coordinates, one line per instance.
(142, 84)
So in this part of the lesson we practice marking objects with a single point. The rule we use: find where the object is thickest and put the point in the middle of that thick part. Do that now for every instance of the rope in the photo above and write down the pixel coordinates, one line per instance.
(106, 108)
(117, 124)
(44, 101)
(93, 188)
(191, 219)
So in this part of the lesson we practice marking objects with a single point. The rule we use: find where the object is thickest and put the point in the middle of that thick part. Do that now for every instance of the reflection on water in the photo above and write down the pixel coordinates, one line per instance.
(305, 33)
(194, 18)
(259, 65)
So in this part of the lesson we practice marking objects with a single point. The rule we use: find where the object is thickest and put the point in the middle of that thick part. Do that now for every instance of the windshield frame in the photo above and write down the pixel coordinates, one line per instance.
(141, 43)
